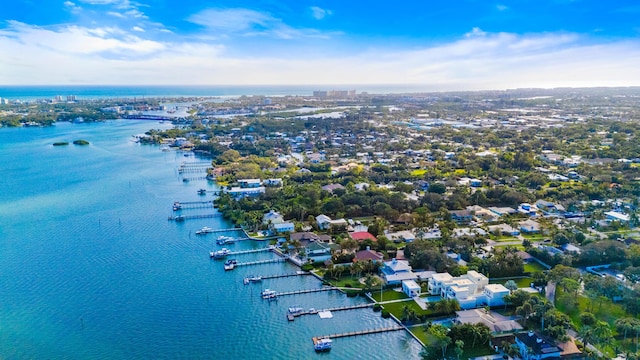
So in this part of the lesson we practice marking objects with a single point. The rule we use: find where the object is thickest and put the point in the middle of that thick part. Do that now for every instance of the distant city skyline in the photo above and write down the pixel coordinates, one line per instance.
(467, 45)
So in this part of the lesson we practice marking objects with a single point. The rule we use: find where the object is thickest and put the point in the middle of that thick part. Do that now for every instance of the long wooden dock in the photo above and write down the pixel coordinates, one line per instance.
(356, 333)
(190, 217)
(250, 251)
(261, 262)
(192, 205)
(300, 273)
(340, 308)
(306, 291)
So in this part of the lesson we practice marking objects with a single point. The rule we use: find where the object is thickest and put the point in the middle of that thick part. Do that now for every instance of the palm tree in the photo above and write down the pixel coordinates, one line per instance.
(602, 332)
(626, 324)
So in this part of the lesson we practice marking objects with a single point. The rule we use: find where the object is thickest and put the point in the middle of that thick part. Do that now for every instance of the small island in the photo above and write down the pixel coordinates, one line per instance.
(61, 143)
(80, 142)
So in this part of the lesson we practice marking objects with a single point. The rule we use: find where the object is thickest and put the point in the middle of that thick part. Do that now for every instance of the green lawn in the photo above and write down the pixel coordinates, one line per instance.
(533, 266)
(346, 281)
(506, 239)
(396, 308)
(388, 295)
(468, 353)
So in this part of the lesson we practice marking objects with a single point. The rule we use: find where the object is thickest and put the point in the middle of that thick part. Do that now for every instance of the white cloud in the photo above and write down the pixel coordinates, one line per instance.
(319, 13)
(501, 7)
(247, 22)
(110, 55)
(137, 28)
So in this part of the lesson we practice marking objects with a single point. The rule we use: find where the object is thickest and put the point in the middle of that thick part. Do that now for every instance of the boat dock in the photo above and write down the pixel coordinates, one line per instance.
(189, 217)
(192, 205)
(340, 308)
(301, 273)
(250, 251)
(261, 262)
(307, 291)
(356, 333)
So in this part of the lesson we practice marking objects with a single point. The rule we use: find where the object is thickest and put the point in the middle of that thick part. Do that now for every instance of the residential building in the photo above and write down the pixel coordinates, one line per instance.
(240, 192)
(283, 227)
(318, 251)
(504, 229)
(411, 288)
(401, 236)
(362, 235)
(272, 217)
(470, 290)
(617, 216)
(250, 183)
(461, 216)
(368, 255)
(530, 226)
(533, 346)
(395, 271)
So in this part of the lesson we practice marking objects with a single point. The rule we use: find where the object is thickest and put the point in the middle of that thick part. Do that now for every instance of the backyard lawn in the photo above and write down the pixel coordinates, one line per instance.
(533, 266)
(388, 295)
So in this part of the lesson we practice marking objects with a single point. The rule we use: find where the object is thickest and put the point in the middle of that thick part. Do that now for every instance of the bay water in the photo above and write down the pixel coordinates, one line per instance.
(90, 267)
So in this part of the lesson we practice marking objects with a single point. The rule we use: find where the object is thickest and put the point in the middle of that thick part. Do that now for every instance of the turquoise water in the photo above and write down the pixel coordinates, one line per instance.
(90, 267)
(98, 92)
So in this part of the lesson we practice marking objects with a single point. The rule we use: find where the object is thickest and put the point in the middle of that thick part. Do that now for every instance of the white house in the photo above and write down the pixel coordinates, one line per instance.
(617, 216)
(411, 288)
(395, 271)
(272, 217)
(283, 227)
(470, 290)
(323, 221)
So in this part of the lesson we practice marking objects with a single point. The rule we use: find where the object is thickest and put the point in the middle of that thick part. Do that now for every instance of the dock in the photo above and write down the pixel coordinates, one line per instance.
(250, 251)
(357, 333)
(261, 262)
(192, 205)
(340, 308)
(300, 273)
(190, 217)
(307, 291)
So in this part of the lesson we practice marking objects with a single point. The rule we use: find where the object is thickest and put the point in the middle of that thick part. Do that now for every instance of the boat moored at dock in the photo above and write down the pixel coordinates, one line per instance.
(219, 254)
(204, 230)
(252, 279)
(322, 344)
(269, 294)
(224, 240)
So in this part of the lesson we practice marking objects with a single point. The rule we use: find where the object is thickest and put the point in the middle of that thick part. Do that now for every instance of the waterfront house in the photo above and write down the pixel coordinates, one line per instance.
(318, 251)
(470, 290)
(395, 271)
(239, 192)
(411, 288)
(283, 227)
(306, 238)
(249, 183)
(272, 217)
(498, 324)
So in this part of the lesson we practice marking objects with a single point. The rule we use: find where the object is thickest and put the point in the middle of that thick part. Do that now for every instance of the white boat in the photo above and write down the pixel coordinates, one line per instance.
(224, 240)
(294, 310)
(268, 294)
(252, 278)
(219, 254)
(204, 230)
(322, 344)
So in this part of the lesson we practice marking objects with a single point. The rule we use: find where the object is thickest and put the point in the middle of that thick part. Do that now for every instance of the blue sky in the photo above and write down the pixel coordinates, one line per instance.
(443, 45)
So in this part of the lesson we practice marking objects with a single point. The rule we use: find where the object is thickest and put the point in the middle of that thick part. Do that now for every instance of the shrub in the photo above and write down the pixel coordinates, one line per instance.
(386, 314)
(377, 307)
(307, 267)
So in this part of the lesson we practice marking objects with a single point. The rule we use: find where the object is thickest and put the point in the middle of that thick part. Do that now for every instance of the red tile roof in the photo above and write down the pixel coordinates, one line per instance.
(362, 235)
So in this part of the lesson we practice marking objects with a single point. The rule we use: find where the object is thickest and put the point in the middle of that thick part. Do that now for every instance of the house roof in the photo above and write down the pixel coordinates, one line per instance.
(300, 236)
(404, 218)
(368, 255)
(362, 235)
(537, 343)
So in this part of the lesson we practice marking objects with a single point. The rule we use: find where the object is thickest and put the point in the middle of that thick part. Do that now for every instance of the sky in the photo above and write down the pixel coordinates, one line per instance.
(441, 45)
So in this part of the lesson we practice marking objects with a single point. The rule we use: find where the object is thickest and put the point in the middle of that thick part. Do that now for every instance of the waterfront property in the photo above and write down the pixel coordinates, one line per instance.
(535, 347)
(470, 290)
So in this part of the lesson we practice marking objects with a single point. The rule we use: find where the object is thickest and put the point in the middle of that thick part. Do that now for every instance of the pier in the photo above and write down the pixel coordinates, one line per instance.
(340, 308)
(356, 333)
(261, 262)
(192, 205)
(301, 273)
(189, 217)
(251, 252)
(306, 291)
